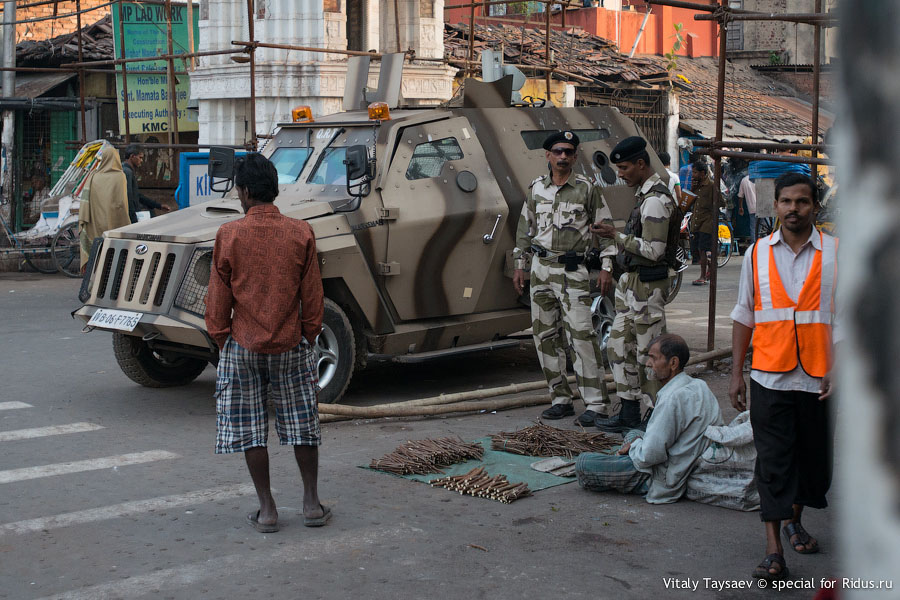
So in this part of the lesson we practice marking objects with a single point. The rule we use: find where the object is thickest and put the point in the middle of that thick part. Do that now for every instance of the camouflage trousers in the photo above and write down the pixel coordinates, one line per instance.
(561, 318)
(640, 317)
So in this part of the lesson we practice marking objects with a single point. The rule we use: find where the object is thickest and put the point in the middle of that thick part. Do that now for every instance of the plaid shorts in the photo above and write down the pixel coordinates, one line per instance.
(605, 472)
(245, 381)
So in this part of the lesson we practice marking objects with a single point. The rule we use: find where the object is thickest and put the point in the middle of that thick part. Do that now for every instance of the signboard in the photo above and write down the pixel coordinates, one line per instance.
(193, 179)
(148, 93)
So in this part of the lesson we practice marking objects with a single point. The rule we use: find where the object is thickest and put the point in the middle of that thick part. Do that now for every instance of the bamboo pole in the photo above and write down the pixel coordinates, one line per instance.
(469, 401)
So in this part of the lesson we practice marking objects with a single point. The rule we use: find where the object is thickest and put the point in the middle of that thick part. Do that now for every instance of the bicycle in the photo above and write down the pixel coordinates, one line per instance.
(727, 244)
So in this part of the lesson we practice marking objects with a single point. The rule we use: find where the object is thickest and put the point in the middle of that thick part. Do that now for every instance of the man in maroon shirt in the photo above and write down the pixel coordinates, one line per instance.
(264, 310)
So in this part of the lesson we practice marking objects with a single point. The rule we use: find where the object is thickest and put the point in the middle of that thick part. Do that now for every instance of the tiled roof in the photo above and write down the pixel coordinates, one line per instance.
(97, 44)
(574, 51)
(751, 100)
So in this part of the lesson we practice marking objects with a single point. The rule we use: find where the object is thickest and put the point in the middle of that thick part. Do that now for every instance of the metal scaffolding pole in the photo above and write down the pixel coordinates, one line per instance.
(170, 78)
(717, 177)
(124, 75)
(80, 71)
(253, 139)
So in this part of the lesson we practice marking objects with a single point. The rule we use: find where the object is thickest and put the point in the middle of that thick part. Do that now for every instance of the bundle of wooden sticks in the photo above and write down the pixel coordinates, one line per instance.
(478, 483)
(543, 440)
(419, 457)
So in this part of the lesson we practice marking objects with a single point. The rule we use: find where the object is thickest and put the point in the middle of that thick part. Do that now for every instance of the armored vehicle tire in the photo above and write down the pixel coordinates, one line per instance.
(143, 366)
(336, 350)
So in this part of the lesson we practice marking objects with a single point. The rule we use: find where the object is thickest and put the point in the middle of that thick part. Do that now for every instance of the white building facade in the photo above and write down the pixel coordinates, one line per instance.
(288, 78)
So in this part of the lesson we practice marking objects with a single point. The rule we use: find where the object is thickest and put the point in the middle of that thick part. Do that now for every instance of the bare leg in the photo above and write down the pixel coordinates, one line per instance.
(798, 512)
(704, 265)
(773, 543)
(308, 461)
(258, 464)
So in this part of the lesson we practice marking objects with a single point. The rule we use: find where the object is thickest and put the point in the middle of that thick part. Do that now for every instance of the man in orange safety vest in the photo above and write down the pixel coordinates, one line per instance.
(786, 304)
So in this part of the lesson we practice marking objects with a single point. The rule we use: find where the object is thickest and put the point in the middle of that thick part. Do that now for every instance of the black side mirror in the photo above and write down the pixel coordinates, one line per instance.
(221, 166)
(357, 161)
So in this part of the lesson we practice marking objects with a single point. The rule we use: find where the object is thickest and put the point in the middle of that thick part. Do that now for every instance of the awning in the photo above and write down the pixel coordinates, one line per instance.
(34, 85)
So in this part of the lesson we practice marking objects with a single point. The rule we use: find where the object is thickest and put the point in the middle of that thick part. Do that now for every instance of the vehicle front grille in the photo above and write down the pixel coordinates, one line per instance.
(192, 292)
(130, 280)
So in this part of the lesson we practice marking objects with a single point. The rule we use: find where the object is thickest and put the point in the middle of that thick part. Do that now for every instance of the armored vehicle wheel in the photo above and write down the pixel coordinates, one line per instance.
(603, 311)
(148, 368)
(336, 350)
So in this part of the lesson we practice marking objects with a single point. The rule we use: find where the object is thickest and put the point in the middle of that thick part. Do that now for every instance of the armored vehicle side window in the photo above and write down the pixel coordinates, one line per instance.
(428, 159)
(534, 139)
(331, 169)
(290, 162)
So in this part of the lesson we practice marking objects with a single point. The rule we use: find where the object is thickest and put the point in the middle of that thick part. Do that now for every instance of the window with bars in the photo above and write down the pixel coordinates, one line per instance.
(734, 35)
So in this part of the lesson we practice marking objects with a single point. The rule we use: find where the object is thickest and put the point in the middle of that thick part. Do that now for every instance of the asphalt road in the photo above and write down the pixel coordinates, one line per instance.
(111, 490)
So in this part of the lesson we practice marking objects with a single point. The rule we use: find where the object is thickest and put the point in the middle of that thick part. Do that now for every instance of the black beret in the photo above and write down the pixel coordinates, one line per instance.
(628, 149)
(567, 137)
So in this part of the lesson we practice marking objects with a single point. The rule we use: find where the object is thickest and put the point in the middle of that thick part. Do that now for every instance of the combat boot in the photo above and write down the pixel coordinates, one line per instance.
(629, 417)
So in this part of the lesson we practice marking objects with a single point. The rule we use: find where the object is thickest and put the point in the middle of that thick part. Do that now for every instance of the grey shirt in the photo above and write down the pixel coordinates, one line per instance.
(674, 440)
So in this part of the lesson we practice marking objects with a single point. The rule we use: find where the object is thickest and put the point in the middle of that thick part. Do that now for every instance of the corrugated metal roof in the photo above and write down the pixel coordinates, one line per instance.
(33, 85)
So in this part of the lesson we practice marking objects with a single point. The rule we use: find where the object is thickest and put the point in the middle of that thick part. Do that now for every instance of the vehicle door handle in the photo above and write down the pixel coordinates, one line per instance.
(489, 237)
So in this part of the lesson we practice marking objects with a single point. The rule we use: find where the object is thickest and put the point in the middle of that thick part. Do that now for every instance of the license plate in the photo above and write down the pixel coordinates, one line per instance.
(115, 319)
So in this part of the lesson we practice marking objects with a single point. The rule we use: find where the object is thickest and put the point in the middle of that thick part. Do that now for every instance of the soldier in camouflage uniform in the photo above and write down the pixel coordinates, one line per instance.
(642, 289)
(552, 239)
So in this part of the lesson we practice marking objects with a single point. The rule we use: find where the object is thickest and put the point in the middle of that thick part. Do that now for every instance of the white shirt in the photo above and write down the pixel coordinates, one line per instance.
(747, 191)
(673, 181)
(792, 269)
(675, 438)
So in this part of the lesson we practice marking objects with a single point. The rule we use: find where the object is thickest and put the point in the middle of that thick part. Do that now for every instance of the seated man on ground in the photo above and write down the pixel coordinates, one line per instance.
(659, 461)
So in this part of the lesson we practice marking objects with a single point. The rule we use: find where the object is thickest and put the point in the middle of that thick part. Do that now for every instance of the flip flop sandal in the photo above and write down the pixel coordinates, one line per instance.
(318, 521)
(253, 519)
(698, 282)
(796, 529)
(762, 570)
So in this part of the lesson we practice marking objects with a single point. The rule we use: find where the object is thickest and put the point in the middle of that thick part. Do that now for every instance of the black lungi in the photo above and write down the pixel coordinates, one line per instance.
(793, 433)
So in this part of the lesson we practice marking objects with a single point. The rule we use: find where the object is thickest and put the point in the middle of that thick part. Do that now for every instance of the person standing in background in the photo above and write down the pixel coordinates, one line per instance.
(104, 202)
(134, 158)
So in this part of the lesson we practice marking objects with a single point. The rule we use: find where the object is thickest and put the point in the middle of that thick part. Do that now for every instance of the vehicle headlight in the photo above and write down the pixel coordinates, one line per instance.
(192, 293)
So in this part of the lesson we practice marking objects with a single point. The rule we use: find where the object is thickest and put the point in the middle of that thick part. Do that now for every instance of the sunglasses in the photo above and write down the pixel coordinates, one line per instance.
(561, 151)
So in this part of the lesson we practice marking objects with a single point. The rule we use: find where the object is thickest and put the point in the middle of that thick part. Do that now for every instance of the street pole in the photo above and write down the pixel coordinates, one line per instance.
(9, 117)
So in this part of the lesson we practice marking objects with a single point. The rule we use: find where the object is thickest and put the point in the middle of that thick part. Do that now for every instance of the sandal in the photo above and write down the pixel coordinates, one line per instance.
(762, 570)
(698, 282)
(796, 529)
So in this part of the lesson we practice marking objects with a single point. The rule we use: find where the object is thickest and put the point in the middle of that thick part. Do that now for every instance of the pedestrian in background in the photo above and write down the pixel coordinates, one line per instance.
(786, 302)
(703, 220)
(646, 247)
(747, 193)
(674, 182)
(552, 239)
(104, 201)
(264, 310)
(134, 158)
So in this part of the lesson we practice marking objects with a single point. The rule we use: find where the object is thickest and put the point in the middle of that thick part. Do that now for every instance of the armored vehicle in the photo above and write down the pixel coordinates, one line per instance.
(414, 212)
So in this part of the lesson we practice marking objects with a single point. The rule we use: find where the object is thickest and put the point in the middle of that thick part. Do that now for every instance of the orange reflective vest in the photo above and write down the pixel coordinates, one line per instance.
(789, 333)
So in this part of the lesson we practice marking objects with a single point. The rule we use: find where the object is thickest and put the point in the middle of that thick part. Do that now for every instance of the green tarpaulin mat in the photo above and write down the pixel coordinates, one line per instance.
(516, 467)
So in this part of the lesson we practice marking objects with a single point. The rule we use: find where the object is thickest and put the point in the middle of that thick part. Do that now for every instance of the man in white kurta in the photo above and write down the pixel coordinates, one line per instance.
(659, 461)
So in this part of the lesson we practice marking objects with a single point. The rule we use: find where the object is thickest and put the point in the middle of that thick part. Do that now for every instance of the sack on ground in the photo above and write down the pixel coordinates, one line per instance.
(724, 475)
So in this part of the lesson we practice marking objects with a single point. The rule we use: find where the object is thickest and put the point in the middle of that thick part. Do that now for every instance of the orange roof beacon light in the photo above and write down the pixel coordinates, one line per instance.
(378, 111)
(302, 114)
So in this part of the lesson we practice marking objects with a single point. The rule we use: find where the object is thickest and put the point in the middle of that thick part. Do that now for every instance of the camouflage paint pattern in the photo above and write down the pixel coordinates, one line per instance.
(558, 219)
(640, 306)
(433, 302)
(561, 317)
(640, 317)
